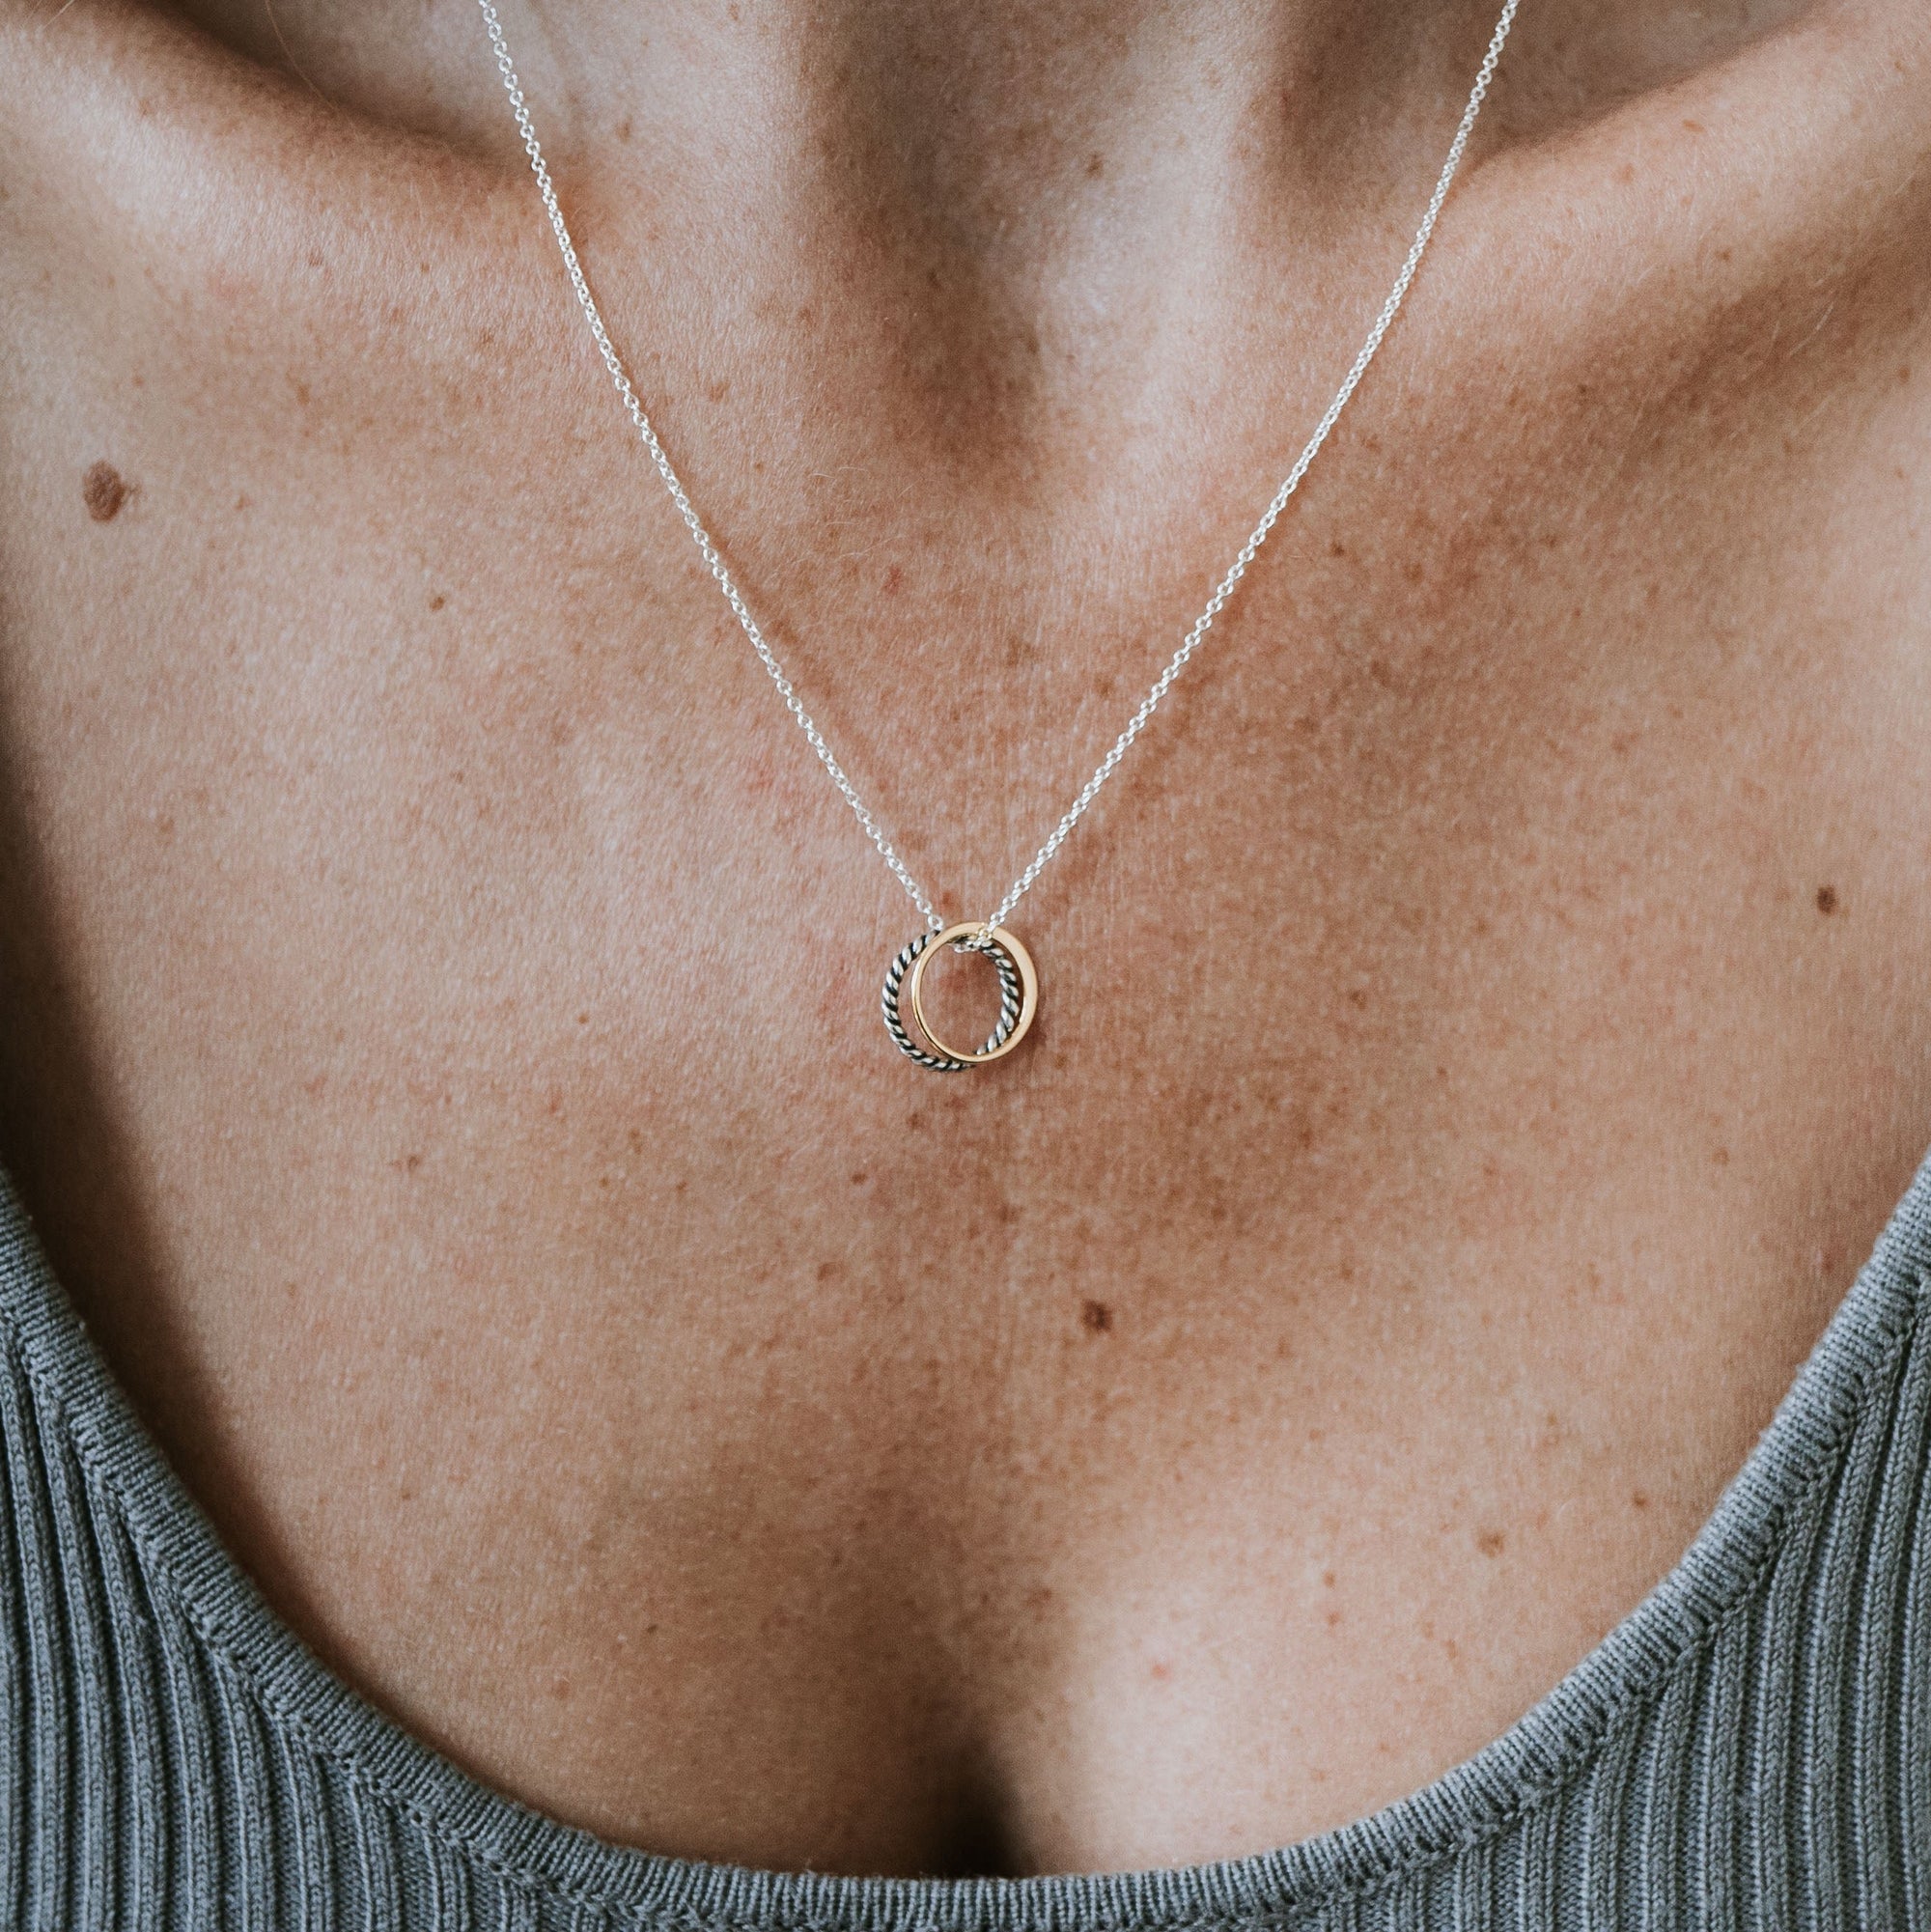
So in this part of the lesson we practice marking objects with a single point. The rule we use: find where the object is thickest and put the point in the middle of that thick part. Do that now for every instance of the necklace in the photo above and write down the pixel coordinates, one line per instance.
(1018, 982)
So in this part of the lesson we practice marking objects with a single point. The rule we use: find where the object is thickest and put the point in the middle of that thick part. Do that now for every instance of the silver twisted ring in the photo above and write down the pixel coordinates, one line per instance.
(1019, 997)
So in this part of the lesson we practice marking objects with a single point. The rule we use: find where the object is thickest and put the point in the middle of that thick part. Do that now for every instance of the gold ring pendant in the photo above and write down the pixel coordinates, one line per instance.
(905, 986)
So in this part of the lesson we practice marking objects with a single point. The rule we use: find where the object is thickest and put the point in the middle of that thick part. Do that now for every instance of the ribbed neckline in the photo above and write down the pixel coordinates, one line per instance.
(1536, 1758)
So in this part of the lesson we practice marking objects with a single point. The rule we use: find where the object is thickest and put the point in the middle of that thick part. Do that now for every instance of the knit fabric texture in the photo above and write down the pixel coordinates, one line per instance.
(1751, 1748)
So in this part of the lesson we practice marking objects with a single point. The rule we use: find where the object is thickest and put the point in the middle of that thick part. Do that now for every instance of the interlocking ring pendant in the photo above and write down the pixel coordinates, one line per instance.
(905, 986)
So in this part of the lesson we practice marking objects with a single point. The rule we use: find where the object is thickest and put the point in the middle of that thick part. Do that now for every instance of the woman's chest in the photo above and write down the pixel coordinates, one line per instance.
(1480, 1034)
(507, 1203)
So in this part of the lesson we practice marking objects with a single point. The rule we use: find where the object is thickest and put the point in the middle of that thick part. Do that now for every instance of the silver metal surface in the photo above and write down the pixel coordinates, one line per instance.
(895, 975)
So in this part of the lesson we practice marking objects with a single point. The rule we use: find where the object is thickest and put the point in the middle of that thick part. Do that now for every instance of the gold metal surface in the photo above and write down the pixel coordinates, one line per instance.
(1029, 990)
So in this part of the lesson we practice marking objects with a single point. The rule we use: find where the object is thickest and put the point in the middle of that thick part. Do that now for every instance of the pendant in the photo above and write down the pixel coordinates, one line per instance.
(905, 986)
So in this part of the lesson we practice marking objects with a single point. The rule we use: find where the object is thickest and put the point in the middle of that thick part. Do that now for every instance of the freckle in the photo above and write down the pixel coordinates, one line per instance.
(716, 391)
(625, 129)
(103, 493)
(560, 1687)
(1333, 1618)
(1326, 1580)
(859, 1179)
(1827, 895)
(914, 1120)
(1490, 1542)
(315, 258)
(164, 823)
(1722, 1157)
(437, 601)
(1627, 172)
(1358, 997)
(1693, 126)
(1096, 166)
(636, 1141)
(411, 1162)
(1095, 1316)
(1160, 1672)
(894, 577)
(1637, 1500)
(303, 394)
(827, 1269)
(1338, 550)
(583, 1020)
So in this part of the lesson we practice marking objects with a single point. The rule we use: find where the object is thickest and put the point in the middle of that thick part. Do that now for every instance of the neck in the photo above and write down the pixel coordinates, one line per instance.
(990, 129)
(1085, 253)
(997, 133)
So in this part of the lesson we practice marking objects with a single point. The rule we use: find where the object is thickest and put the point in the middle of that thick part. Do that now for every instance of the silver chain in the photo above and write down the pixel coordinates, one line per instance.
(1196, 635)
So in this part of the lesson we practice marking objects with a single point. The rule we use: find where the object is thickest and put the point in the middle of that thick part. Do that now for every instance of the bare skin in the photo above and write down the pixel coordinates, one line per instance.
(1485, 1026)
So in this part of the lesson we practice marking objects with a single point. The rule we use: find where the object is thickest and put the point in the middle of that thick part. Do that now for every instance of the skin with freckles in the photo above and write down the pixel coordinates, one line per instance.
(1483, 1026)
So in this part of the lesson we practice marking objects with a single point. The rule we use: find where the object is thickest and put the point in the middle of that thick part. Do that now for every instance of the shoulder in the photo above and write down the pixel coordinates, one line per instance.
(1744, 249)
(159, 179)
(192, 242)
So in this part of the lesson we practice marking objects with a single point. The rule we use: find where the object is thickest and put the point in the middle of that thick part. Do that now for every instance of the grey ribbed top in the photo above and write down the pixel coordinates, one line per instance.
(1750, 1747)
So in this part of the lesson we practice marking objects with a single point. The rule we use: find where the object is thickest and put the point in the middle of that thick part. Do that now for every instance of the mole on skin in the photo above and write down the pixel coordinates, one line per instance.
(103, 493)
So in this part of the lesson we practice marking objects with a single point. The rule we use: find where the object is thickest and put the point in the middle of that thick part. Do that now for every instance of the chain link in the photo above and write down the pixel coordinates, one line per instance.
(1195, 636)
